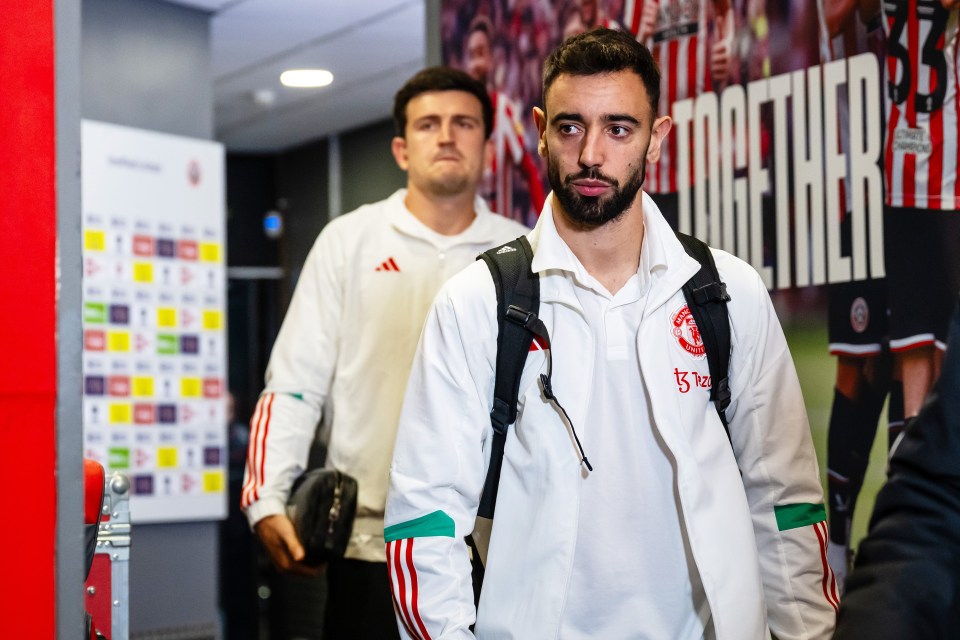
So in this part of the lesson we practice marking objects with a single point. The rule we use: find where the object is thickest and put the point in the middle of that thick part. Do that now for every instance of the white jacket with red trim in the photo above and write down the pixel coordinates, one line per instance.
(345, 347)
(753, 512)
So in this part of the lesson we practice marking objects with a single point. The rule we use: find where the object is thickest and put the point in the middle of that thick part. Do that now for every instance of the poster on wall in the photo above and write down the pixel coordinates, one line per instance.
(761, 160)
(154, 334)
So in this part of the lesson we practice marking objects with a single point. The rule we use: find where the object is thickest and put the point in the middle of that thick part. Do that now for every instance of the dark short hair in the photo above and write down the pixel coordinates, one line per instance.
(440, 79)
(481, 23)
(603, 51)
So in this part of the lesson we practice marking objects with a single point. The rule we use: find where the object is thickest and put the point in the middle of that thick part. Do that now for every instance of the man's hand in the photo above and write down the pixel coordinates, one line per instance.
(722, 50)
(277, 534)
(648, 20)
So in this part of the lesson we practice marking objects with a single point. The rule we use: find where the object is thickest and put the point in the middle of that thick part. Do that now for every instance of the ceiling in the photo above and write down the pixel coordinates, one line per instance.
(371, 46)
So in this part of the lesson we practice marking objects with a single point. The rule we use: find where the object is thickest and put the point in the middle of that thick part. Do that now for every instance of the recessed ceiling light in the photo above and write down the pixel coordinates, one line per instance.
(306, 78)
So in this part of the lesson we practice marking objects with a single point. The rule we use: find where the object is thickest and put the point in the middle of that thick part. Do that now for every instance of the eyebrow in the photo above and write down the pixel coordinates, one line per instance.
(455, 116)
(612, 117)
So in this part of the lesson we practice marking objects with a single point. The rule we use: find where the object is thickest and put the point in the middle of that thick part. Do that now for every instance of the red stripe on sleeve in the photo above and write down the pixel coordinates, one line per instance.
(391, 568)
(262, 447)
(251, 453)
(413, 590)
(402, 590)
(828, 582)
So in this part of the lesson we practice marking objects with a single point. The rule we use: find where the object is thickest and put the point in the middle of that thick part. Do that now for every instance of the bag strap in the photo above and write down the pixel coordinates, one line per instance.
(707, 298)
(518, 302)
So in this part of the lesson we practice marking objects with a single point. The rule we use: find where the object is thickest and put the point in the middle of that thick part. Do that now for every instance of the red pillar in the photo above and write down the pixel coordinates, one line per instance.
(28, 234)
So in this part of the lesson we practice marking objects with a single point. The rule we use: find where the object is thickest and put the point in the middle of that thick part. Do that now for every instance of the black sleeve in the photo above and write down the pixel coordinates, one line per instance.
(906, 580)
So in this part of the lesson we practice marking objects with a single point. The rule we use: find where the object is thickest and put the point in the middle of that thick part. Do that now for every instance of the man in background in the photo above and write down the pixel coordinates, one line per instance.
(346, 344)
(510, 154)
(921, 168)
(906, 580)
(692, 42)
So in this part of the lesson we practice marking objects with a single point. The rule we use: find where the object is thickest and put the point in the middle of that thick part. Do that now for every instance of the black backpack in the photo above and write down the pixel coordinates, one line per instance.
(518, 302)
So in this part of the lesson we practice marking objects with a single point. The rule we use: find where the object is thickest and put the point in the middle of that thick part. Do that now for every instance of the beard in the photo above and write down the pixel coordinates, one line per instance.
(594, 211)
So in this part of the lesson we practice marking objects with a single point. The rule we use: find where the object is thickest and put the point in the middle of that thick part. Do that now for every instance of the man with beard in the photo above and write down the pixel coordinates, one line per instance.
(675, 530)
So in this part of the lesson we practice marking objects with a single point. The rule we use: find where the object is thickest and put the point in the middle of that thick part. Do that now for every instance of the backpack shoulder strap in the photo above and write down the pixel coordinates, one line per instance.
(518, 302)
(707, 299)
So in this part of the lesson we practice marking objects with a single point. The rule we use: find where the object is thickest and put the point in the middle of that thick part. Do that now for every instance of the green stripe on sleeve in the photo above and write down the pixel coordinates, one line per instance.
(436, 524)
(794, 516)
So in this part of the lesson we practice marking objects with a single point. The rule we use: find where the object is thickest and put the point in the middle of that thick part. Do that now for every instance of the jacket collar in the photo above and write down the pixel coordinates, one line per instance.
(481, 230)
(664, 264)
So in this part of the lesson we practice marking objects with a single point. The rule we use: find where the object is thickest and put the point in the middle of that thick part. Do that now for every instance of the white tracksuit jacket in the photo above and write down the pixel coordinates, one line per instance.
(753, 512)
(345, 349)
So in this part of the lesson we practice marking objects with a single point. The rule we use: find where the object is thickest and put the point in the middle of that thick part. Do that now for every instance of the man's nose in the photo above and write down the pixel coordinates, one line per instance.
(591, 150)
(446, 132)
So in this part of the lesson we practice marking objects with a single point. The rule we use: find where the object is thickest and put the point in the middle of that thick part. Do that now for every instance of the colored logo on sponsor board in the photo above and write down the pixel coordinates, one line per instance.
(187, 250)
(212, 319)
(94, 340)
(166, 344)
(209, 252)
(119, 314)
(190, 387)
(166, 317)
(212, 456)
(94, 312)
(143, 485)
(143, 272)
(120, 412)
(118, 458)
(94, 240)
(118, 386)
(212, 387)
(212, 481)
(166, 457)
(118, 341)
(142, 245)
(142, 386)
(144, 414)
(189, 344)
(167, 413)
(166, 248)
(94, 385)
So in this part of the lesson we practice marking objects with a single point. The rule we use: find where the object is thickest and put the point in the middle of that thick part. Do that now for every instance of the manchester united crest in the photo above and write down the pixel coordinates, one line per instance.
(687, 333)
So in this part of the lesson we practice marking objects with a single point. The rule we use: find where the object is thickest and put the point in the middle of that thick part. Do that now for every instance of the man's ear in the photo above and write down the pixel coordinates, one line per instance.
(661, 127)
(541, 119)
(489, 149)
(399, 148)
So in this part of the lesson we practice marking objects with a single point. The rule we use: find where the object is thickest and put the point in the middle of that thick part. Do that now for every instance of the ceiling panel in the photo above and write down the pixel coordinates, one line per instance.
(371, 46)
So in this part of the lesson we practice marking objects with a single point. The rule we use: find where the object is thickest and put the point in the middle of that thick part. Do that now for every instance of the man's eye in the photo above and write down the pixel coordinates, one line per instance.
(619, 131)
(569, 129)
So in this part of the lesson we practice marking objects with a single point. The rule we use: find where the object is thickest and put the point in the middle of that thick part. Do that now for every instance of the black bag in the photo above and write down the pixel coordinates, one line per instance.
(322, 506)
